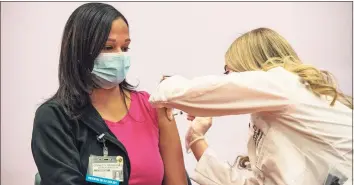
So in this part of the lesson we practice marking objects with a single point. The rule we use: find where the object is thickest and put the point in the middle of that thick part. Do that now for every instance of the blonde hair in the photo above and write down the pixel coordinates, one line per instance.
(264, 49)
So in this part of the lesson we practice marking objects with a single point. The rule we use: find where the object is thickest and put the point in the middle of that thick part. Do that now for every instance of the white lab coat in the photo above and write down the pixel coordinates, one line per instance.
(295, 137)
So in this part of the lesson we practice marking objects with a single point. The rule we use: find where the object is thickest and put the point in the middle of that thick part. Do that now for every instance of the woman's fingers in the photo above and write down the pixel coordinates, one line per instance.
(190, 117)
(165, 113)
(169, 113)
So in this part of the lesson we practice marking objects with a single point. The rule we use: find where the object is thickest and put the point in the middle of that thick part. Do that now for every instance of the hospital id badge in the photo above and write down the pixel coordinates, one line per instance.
(105, 170)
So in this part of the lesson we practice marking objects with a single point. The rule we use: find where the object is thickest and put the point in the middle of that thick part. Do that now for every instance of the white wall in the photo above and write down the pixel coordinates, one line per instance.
(167, 38)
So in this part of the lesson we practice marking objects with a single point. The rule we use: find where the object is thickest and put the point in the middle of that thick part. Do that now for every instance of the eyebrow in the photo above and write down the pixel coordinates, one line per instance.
(114, 40)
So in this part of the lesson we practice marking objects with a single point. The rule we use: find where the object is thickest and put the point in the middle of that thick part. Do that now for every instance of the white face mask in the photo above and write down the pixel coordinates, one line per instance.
(110, 69)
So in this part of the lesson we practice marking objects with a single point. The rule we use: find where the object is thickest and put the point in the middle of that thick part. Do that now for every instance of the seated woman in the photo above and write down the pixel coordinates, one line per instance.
(95, 112)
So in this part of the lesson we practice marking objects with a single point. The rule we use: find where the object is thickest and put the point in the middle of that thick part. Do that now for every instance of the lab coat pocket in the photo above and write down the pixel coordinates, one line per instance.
(262, 142)
(257, 141)
(281, 162)
(259, 134)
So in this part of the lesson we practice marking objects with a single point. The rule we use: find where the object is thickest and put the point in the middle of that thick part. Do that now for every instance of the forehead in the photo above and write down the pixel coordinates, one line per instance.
(119, 30)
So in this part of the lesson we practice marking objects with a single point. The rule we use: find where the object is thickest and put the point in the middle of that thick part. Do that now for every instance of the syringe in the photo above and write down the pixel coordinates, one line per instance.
(177, 112)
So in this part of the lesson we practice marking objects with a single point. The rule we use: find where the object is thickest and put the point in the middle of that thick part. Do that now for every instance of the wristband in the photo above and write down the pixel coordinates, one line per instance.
(194, 141)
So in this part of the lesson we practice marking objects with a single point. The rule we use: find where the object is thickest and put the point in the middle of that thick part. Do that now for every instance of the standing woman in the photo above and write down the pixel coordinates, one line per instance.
(96, 115)
(301, 124)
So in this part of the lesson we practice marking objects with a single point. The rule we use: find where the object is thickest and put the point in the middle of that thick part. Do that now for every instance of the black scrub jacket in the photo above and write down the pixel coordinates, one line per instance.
(61, 146)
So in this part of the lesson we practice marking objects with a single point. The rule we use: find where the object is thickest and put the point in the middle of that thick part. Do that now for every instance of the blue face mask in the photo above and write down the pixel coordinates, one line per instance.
(110, 69)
